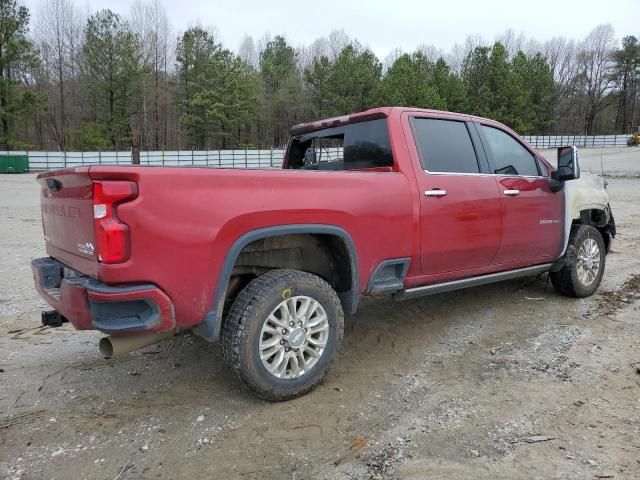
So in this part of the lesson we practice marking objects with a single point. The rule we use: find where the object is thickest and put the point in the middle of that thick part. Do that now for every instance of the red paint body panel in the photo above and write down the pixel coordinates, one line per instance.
(71, 299)
(181, 229)
(67, 210)
(532, 221)
(184, 220)
(461, 230)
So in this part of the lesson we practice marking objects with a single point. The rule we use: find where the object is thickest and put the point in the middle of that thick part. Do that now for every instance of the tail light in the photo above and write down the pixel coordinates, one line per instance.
(112, 236)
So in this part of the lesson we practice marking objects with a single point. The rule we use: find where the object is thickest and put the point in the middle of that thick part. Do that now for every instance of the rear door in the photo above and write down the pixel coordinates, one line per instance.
(459, 200)
(531, 213)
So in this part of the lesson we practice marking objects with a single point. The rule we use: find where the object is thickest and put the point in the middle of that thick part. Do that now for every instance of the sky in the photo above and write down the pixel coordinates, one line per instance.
(385, 25)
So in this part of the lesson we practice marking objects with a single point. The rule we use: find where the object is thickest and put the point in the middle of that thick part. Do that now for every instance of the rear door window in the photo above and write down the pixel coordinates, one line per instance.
(445, 146)
(366, 145)
(509, 156)
(358, 145)
(330, 149)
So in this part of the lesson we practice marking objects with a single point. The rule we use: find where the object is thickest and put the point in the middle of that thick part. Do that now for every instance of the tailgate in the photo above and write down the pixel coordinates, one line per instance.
(67, 218)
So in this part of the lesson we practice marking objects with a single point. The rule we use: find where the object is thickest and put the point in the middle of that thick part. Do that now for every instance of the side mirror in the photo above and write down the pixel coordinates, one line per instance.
(568, 167)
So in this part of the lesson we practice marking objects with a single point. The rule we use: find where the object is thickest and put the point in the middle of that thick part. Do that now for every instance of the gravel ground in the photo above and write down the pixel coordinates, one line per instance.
(501, 381)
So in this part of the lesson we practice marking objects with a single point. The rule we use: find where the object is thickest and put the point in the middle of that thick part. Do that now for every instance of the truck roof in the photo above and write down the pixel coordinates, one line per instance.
(380, 112)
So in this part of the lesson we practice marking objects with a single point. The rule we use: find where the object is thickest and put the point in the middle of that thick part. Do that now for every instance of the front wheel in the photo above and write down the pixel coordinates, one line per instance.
(282, 332)
(582, 273)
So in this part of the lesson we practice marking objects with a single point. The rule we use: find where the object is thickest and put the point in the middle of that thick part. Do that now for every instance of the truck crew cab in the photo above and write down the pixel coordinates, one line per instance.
(397, 201)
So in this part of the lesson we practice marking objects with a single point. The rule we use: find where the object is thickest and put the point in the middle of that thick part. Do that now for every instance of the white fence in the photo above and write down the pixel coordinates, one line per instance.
(211, 158)
(268, 158)
(584, 141)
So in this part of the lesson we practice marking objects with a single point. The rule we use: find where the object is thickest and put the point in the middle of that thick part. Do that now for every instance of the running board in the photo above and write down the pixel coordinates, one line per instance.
(469, 282)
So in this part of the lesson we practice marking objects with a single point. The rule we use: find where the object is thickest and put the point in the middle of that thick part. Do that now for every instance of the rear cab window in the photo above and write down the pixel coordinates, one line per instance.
(445, 146)
(355, 146)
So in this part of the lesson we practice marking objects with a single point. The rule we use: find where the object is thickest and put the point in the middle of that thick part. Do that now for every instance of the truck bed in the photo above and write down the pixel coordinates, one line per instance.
(184, 220)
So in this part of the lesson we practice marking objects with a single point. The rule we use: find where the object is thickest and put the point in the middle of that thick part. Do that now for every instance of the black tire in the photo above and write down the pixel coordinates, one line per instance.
(241, 331)
(567, 280)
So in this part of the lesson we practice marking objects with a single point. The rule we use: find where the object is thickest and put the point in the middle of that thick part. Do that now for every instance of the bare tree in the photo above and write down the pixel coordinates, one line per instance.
(329, 46)
(304, 57)
(562, 57)
(431, 52)
(247, 51)
(391, 58)
(531, 47)
(595, 60)
(150, 23)
(58, 33)
(337, 40)
(512, 43)
(319, 47)
(585, 99)
(262, 43)
(459, 52)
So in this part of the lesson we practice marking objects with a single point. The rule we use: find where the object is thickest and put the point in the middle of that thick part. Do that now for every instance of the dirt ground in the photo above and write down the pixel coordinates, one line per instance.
(502, 381)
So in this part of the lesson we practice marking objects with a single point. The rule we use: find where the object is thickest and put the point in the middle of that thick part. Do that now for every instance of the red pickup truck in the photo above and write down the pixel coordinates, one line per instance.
(401, 201)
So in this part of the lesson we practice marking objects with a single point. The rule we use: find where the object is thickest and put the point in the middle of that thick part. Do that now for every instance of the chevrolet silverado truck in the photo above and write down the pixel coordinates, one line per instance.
(397, 201)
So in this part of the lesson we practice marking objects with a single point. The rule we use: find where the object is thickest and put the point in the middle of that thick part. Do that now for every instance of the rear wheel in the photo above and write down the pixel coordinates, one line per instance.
(282, 332)
(582, 273)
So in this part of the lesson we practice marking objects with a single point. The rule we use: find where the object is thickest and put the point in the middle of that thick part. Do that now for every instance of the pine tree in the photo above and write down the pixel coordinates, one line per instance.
(114, 76)
(356, 75)
(282, 89)
(475, 74)
(626, 75)
(449, 87)
(318, 81)
(219, 99)
(407, 83)
(17, 56)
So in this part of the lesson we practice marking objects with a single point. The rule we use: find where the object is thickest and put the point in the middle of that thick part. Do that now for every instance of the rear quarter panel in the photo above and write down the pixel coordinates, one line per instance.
(184, 221)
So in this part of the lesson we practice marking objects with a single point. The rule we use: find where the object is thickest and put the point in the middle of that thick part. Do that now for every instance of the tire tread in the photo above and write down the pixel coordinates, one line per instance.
(565, 281)
(245, 309)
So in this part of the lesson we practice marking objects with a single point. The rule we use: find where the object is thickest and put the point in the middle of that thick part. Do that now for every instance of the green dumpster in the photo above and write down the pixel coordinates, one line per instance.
(14, 163)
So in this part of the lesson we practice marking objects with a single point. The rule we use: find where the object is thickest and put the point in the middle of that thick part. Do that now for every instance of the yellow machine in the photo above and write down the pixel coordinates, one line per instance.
(634, 139)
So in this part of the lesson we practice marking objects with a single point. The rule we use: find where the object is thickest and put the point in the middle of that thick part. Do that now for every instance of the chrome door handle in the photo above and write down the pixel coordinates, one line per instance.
(436, 192)
(511, 193)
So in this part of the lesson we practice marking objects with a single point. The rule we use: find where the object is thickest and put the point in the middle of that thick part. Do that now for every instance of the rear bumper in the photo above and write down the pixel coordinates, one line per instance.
(92, 305)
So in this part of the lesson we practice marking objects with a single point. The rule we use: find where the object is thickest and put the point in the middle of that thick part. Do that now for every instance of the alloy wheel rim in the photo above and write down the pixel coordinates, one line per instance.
(293, 337)
(588, 264)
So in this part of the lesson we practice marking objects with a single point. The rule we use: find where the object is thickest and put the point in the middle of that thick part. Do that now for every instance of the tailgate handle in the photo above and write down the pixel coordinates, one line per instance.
(53, 184)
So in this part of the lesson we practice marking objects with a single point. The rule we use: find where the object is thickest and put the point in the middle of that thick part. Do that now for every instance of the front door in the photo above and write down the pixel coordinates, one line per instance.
(532, 215)
(460, 209)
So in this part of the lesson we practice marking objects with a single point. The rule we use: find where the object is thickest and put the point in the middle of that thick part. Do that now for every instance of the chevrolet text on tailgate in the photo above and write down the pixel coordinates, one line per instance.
(394, 201)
